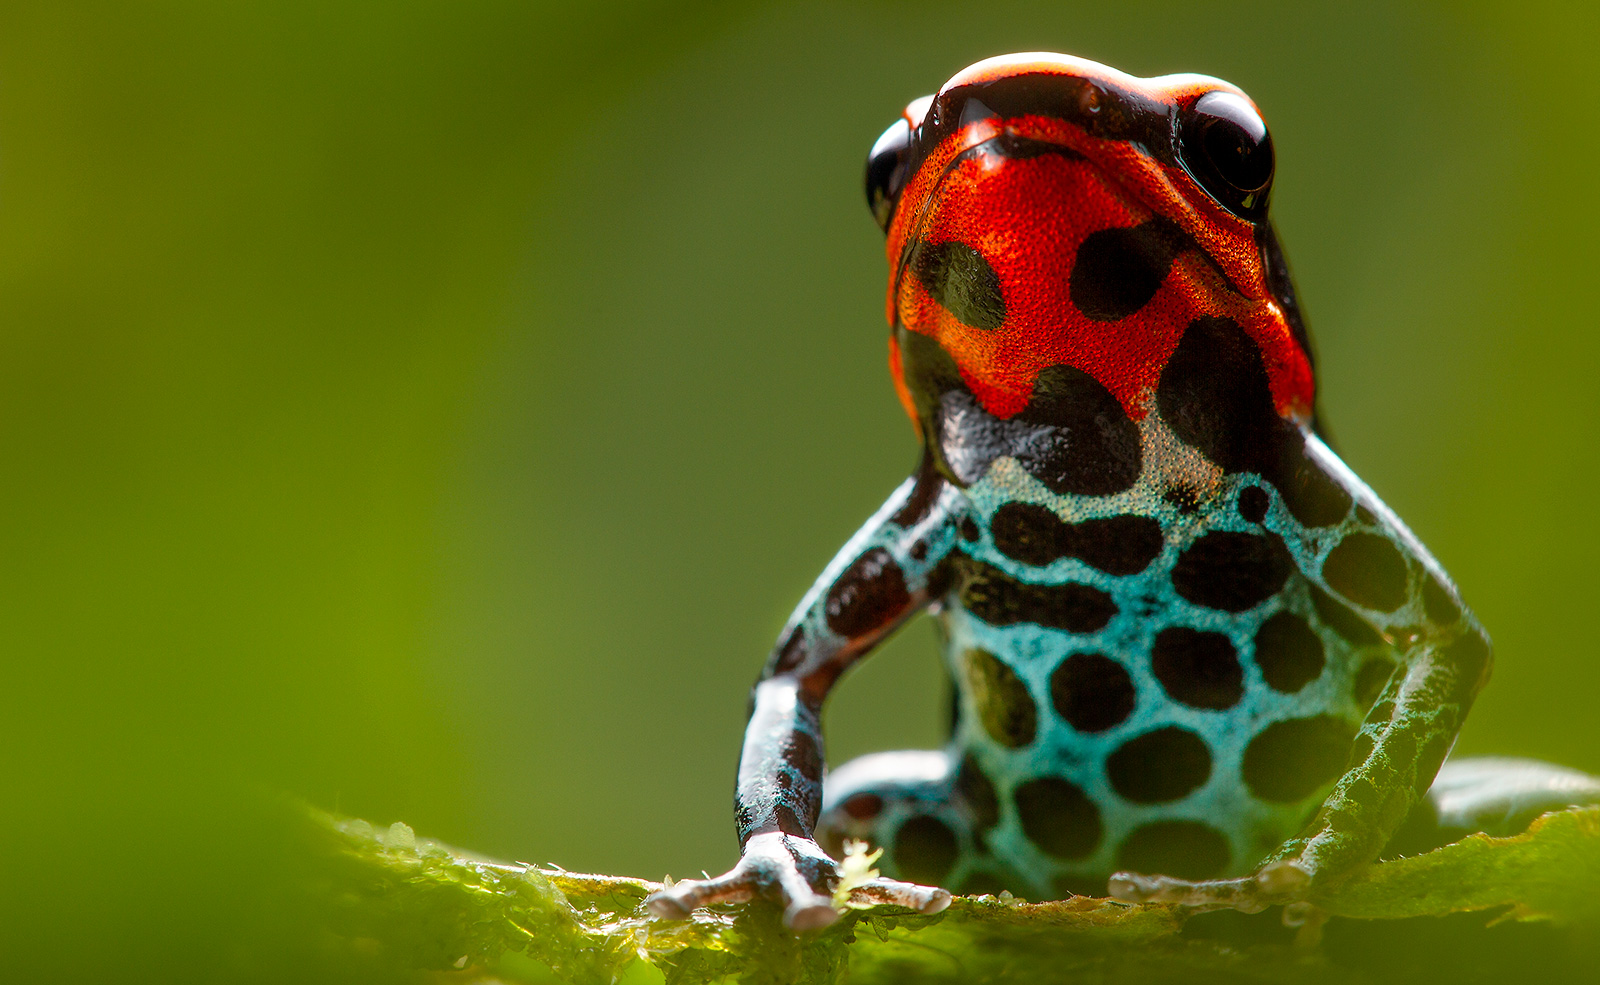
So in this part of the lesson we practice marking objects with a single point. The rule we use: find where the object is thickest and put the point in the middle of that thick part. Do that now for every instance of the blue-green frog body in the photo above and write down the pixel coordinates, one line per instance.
(1195, 658)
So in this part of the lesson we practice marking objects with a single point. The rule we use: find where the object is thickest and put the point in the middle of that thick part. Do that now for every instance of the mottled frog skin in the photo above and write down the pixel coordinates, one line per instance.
(1192, 653)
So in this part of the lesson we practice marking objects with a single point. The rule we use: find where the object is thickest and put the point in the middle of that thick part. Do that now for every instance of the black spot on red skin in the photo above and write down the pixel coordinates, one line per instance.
(1289, 760)
(1117, 271)
(1368, 570)
(1034, 535)
(1184, 849)
(1000, 600)
(1160, 766)
(1342, 619)
(1253, 503)
(975, 787)
(1289, 653)
(1232, 571)
(1196, 668)
(868, 596)
(1371, 678)
(1091, 692)
(1002, 701)
(1091, 446)
(1073, 435)
(925, 849)
(1215, 395)
(961, 279)
(1439, 602)
(1058, 817)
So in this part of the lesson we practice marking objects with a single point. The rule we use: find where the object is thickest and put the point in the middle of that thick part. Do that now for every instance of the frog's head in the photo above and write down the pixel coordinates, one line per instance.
(1044, 210)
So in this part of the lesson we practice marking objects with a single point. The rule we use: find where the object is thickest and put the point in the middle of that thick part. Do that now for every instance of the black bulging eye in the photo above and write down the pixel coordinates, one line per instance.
(1226, 147)
(886, 171)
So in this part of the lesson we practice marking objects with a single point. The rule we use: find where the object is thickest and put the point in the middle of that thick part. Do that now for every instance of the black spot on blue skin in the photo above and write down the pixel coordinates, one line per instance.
(1001, 600)
(1117, 271)
(1034, 535)
(1092, 692)
(1197, 668)
(1073, 436)
(868, 596)
(1253, 503)
(1002, 701)
(1289, 760)
(1185, 849)
(924, 493)
(1439, 602)
(1058, 817)
(925, 849)
(1371, 678)
(1160, 766)
(1470, 655)
(1431, 758)
(1215, 394)
(1368, 570)
(788, 822)
(969, 530)
(1342, 619)
(961, 280)
(790, 652)
(1232, 571)
(1289, 653)
(974, 786)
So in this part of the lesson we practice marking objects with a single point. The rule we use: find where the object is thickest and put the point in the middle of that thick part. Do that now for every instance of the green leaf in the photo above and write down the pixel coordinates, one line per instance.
(406, 903)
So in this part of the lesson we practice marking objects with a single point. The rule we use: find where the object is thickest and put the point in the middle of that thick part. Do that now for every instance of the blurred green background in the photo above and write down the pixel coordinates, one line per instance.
(432, 410)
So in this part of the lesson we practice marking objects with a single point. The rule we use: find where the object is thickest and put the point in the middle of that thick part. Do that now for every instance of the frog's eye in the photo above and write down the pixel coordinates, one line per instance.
(886, 171)
(1226, 147)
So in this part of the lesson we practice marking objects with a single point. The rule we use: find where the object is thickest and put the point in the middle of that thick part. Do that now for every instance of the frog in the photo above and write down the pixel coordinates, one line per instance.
(1194, 659)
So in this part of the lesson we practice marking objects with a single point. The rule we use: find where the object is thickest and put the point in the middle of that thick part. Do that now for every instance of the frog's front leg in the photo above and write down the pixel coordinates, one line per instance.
(887, 572)
(1445, 661)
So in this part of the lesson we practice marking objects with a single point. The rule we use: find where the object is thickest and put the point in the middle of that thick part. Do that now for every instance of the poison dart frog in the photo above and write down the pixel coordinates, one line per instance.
(1194, 658)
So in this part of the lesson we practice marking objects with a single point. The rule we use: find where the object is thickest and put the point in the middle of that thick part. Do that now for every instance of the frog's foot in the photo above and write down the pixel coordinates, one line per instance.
(1276, 882)
(923, 899)
(795, 872)
(785, 868)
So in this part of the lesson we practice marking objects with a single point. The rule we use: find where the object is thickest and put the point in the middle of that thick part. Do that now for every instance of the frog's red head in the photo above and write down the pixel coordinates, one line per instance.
(1044, 210)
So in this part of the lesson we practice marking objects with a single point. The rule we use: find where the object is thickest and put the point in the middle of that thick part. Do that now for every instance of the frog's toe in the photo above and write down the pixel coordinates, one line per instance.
(1279, 882)
(677, 902)
(923, 899)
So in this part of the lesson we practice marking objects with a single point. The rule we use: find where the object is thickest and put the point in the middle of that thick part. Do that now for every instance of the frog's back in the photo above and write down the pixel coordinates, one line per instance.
(1149, 680)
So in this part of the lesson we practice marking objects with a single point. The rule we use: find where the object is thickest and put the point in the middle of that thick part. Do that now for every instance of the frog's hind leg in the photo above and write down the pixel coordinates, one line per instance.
(1494, 795)
(927, 811)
